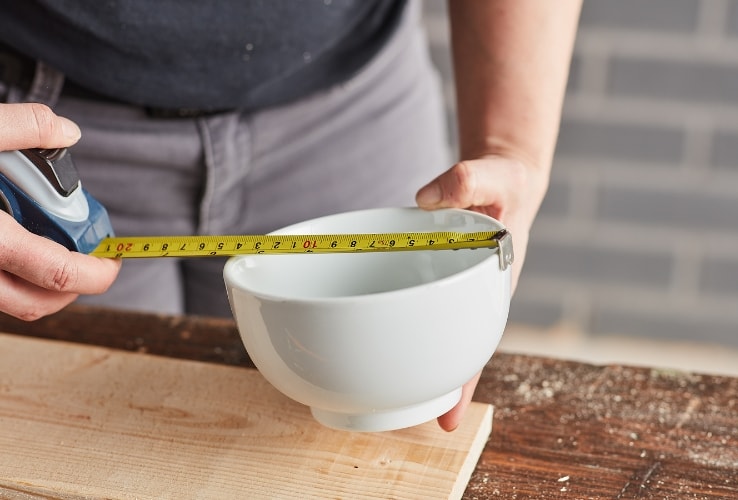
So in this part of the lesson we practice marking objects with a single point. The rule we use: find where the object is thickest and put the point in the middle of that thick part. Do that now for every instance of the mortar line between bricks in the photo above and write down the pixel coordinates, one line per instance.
(667, 113)
(713, 16)
(644, 45)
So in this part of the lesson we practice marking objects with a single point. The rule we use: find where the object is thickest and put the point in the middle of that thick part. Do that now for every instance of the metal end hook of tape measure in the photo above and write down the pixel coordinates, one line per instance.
(505, 248)
(226, 246)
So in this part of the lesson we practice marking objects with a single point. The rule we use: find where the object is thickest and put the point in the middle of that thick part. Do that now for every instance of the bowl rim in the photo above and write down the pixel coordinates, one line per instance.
(491, 259)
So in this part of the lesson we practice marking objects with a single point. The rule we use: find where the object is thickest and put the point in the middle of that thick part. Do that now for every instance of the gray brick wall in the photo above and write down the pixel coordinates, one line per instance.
(639, 231)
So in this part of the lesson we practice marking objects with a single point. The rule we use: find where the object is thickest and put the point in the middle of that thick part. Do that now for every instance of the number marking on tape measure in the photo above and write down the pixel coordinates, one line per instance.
(211, 246)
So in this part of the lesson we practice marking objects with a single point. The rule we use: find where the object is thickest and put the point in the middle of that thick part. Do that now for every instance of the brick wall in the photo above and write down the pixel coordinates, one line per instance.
(639, 231)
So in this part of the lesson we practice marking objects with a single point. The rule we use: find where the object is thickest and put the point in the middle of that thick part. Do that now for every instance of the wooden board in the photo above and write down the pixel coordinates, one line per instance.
(89, 422)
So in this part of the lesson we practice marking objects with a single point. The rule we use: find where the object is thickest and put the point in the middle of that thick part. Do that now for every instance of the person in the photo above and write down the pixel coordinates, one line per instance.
(241, 117)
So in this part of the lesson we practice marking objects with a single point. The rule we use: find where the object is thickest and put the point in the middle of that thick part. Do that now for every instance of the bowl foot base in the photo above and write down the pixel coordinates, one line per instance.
(390, 419)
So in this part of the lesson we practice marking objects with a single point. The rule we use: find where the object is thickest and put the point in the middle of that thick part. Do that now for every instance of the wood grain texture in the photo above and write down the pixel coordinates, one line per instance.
(567, 430)
(562, 429)
(89, 422)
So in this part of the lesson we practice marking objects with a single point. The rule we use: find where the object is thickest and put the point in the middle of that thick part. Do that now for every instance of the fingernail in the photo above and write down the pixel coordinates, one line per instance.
(69, 128)
(429, 195)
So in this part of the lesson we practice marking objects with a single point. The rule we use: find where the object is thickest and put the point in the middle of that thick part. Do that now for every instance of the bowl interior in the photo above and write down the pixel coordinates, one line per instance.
(310, 276)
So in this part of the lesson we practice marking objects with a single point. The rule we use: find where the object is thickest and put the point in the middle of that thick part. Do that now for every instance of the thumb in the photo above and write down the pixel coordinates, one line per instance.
(466, 184)
(34, 125)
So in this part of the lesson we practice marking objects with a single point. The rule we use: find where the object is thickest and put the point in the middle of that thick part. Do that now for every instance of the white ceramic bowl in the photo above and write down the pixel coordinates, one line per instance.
(373, 341)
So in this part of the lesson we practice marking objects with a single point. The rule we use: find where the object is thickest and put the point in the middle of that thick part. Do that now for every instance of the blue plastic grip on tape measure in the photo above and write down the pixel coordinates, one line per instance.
(77, 235)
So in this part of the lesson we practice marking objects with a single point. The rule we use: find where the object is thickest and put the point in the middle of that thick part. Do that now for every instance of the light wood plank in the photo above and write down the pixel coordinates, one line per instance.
(88, 422)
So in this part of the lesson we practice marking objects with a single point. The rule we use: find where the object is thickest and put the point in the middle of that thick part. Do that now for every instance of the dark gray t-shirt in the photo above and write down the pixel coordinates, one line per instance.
(203, 54)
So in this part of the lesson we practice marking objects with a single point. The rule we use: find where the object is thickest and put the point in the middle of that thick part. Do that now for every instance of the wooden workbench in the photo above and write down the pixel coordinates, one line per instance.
(561, 429)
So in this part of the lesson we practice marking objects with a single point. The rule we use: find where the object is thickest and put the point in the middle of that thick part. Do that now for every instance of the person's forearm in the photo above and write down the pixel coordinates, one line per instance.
(511, 61)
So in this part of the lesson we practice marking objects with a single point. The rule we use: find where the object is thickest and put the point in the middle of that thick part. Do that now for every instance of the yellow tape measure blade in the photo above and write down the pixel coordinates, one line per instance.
(212, 246)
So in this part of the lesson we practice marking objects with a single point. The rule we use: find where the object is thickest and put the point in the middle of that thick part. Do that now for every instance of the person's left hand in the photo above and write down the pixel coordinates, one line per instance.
(503, 188)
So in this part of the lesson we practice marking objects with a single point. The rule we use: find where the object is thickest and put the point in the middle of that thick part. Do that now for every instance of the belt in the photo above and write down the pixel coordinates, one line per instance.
(72, 89)
(17, 73)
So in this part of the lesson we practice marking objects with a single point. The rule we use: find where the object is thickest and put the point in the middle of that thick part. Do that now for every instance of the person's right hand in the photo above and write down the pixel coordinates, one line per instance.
(38, 276)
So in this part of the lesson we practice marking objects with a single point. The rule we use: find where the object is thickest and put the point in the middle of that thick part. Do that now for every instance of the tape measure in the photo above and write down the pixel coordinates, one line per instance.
(40, 188)
(42, 191)
(212, 246)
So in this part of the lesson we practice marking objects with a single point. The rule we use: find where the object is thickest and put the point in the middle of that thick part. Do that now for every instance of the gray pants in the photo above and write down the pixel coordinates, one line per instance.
(372, 141)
